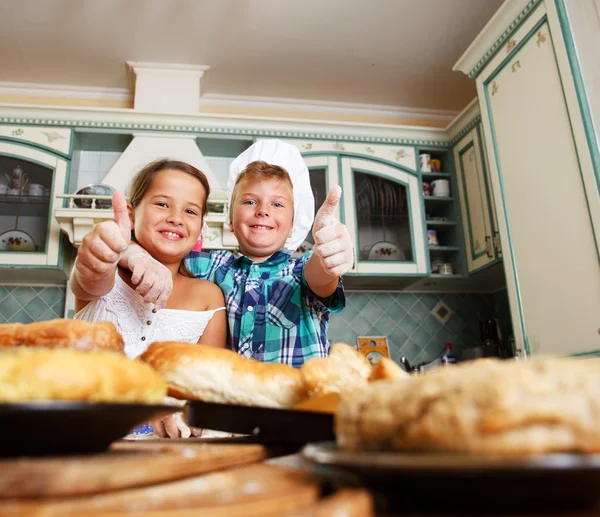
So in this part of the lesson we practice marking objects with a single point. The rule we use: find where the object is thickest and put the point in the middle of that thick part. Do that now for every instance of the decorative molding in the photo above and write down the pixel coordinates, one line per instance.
(464, 122)
(465, 130)
(199, 124)
(342, 108)
(510, 15)
(61, 91)
(210, 100)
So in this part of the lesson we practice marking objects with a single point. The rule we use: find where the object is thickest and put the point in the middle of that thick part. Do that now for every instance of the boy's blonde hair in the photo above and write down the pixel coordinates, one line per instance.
(258, 171)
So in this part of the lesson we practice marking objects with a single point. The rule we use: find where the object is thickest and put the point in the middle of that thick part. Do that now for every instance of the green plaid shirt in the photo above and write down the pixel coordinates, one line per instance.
(273, 315)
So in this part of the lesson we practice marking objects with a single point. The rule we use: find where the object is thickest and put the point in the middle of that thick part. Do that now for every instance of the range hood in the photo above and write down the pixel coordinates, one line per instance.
(165, 89)
(161, 88)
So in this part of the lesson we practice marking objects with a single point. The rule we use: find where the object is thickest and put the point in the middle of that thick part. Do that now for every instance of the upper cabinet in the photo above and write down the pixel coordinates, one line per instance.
(481, 238)
(381, 203)
(33, 171)
(541, 149)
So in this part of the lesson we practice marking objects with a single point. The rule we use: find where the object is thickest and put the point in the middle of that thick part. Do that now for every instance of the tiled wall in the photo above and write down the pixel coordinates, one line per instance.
(93, 166)
(25, 304)
(408, 320)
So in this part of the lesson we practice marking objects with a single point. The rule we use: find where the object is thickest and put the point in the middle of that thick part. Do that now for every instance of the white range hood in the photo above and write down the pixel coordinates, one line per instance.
(159, 88)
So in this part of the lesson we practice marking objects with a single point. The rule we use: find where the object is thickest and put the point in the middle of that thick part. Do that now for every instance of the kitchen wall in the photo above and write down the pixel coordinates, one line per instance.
(407, 319)
(417, 325)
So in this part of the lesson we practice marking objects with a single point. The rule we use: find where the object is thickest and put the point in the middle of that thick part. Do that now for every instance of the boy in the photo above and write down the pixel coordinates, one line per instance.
(278, 308)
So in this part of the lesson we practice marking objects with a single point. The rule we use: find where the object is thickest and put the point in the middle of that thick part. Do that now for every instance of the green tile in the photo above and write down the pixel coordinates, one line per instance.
(421, 337)
(51, 295)
(371, 312)
(385, 325)
(398, 337)
(431, 324)
(24, 295)
(429, 300)
(406, 301)
(36, 307)
(419, 311)
(410, 350)
(49, 314)
(396, 311)
(9, 307)
(21, 317)
(359, 300)
(3, 292)
(360, 325)
(409, 325)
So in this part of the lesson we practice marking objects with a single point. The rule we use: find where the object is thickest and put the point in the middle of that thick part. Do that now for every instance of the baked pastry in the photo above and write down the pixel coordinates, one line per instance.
(387, 370)
(344, 369)
(494, 407)
(202, 372)
(62, 333)
(35, 374)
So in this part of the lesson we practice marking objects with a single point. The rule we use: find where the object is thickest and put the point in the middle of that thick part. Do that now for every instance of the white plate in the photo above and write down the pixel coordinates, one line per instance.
(386, 251)
(16, 240)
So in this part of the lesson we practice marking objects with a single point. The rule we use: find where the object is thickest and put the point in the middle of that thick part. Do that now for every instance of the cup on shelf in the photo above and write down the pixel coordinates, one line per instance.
(436, 165)
(436, 262)
(426, 189)
(3, 189)
(425, 162)
(35, 189)
(445, 269)
(441, 188)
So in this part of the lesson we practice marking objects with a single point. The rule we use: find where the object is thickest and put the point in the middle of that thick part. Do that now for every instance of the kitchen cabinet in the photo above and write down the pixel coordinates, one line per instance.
(478, 214)
(34, 164)
(381, 203)
(543, 175)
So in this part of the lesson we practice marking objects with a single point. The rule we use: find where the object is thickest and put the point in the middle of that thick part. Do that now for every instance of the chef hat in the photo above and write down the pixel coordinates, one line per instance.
(276, 152)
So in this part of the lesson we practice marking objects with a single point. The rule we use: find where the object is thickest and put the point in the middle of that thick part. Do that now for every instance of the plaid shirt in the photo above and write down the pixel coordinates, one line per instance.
(273, 315)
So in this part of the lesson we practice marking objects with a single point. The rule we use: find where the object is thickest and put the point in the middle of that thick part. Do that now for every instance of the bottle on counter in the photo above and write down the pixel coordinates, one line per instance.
(447, 356)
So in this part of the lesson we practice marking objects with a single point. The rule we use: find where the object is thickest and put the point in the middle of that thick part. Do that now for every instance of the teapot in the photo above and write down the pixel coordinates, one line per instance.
(18, 179)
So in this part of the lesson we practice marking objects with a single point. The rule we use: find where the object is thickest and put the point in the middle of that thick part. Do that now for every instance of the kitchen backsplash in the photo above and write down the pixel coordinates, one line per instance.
(25, 304)
(417, 325)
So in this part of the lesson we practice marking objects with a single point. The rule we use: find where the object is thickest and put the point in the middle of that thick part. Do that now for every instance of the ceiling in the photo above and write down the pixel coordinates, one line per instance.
(384, 52)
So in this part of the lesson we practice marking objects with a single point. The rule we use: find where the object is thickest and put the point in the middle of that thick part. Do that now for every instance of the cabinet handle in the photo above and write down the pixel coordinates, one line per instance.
(488, 246)
(497, 244)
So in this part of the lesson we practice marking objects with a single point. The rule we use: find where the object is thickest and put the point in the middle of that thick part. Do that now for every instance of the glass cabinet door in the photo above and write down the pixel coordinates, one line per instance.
(383, 211)
(29, 179)
(323, 172)
(25, 193)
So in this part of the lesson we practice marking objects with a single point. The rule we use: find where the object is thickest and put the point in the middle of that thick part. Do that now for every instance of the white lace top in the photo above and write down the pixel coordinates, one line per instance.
(140, 324)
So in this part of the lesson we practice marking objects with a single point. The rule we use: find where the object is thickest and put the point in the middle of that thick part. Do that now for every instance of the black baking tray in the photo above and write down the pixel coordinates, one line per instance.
(265, 425)
(64, 427)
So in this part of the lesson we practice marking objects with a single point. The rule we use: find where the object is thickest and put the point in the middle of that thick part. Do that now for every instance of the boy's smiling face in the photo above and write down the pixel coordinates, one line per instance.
(262, 217)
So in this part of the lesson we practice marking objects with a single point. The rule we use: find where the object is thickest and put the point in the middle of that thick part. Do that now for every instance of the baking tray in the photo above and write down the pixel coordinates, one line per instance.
(460, 482)
(66, 427)
(265, 425)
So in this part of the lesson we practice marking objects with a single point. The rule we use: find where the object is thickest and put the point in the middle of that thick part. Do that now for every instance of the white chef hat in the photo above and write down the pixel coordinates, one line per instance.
(287, 156)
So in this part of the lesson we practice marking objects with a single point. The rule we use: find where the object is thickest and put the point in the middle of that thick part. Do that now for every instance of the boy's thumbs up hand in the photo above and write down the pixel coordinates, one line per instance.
(333, 245)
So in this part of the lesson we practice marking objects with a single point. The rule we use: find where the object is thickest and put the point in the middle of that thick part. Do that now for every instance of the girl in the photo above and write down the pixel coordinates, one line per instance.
(167, 204)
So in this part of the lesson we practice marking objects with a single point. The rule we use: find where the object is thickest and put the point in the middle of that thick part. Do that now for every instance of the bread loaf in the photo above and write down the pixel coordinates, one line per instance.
(202, 372)
(62, 333)
(492, 407)
(344, 369)
(37, 374)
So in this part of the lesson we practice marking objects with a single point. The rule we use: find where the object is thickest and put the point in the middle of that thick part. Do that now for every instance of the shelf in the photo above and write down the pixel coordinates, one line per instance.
(438, 199)
(435, 175)
(432, 223)
(444, 248)
(453, 275)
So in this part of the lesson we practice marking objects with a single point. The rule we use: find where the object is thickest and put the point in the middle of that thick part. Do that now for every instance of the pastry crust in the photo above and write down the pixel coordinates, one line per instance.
(387, 370)
(202, 372)
(37, 374)
(62, 333)
(492, 407)
(344, 369)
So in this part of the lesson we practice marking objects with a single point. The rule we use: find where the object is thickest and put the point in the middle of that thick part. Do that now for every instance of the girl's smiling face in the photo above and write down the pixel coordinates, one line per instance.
(168, 220)
(262, 217)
